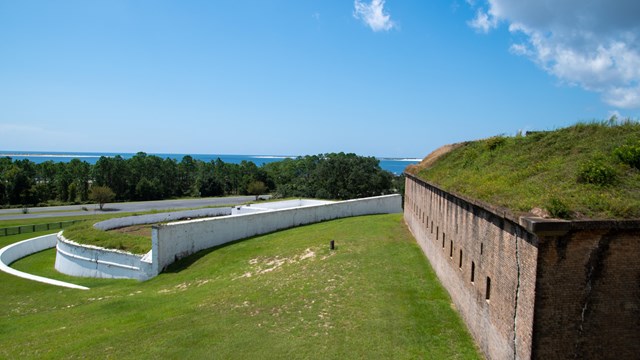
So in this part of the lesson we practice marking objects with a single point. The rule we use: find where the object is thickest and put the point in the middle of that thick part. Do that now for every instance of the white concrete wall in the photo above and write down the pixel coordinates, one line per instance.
(161, 217)
(270, 206)
(173, 241)
(18, 250)
(92, 261)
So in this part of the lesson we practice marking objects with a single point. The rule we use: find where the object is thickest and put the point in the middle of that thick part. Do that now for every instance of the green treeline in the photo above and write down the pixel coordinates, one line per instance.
(149, 177)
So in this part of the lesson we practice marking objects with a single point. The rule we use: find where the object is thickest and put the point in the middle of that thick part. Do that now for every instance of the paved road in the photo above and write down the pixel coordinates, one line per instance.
(76, 210)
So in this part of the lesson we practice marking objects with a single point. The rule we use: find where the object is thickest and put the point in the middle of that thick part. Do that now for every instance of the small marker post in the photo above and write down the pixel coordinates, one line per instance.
(333, 245)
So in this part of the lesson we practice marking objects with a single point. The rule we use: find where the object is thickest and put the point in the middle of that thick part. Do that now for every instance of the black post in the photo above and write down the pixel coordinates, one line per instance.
(333, 245)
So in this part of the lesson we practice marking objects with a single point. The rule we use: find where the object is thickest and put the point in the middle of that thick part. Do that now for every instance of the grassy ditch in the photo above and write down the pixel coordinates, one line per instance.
(281, 295)
(583, 171)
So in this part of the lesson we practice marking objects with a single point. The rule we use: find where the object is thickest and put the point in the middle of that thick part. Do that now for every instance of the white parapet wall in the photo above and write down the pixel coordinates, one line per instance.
(271, 206)
(177, 240)
(161, 217)
(92, 261)
(18, 250)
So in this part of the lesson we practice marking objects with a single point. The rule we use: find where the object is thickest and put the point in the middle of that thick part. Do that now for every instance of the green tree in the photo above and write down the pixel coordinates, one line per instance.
(187, 175)
(101, 195)
(257, 188)
(148, 189)
(79, 171)
(113, 172)
(72, 192)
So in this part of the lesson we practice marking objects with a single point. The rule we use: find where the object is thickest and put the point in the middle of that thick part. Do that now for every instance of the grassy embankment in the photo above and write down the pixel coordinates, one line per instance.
(281, 295)
(576, 172)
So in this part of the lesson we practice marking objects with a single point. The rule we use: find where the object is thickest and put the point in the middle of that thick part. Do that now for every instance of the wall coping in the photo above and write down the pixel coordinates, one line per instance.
(537, 225)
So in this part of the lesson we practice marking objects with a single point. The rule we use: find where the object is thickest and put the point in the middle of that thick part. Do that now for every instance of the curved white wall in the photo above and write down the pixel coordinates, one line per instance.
(174, 241)
(92, 261)
(18, 250)
(161, 217)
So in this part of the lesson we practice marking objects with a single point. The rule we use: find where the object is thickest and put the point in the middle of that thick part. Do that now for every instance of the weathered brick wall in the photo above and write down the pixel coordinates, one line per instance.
(559, 289)
(460, 237)
(588, 295)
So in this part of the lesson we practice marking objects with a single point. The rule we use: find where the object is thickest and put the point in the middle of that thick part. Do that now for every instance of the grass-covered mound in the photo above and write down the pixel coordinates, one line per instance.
(586, 171)
(85, 233)
(284, 295)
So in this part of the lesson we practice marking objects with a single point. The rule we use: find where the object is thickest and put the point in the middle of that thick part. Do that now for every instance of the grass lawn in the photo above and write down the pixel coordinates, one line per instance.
(281, 295)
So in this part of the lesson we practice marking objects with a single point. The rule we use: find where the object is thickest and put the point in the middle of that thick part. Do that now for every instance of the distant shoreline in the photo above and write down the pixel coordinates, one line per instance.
(394, 165)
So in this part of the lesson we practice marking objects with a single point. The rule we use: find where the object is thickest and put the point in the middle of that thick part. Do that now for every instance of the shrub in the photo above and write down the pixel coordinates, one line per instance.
(629, 154)
(558, 209)
(495, 142)
(596, 172)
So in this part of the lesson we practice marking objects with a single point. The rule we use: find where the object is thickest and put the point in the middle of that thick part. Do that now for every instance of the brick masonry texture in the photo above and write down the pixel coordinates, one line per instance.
(553, 294)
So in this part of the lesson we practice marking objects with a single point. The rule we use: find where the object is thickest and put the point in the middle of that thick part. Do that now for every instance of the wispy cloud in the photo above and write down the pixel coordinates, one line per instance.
(373, 15)
(593, 44)
(483, 22)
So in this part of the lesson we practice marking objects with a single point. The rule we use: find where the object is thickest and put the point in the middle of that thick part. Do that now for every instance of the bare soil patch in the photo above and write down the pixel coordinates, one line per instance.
(139, 230)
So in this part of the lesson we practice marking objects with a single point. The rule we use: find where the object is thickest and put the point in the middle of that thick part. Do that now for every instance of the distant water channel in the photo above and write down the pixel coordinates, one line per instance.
(394, 165)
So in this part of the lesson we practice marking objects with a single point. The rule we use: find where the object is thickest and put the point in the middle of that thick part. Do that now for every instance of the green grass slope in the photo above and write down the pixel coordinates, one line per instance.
(586, 171)
(281, 295)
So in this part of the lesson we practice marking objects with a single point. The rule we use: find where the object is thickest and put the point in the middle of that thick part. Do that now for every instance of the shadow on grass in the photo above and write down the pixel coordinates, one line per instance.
(107, 209)
(186, 262)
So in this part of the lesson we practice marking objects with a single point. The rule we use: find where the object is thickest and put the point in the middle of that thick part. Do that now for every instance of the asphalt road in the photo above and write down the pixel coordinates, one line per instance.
(76, 210)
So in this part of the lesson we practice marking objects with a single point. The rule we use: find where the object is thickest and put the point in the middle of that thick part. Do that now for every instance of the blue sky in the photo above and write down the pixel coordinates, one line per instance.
(385, 78)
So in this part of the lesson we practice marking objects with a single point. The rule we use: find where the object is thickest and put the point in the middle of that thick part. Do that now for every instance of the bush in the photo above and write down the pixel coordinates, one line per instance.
(495, 142)
(558, 209)
(596, 172)
(629, 154)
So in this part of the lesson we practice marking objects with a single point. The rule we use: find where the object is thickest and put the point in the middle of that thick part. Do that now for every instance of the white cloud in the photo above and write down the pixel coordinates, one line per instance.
(483, 22)
(373, 15)
(593, 44)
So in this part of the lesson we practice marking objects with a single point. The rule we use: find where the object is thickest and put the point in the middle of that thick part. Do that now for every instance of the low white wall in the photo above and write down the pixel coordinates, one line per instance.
(92, 261)
(270, 206)
(161, 217)
(18, 250)
(173, 241)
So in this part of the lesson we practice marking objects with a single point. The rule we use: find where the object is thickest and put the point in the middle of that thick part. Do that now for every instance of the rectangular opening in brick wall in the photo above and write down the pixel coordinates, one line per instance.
(487, 295)
(438, 232)
(432, 226)
(442, 241)
(473, 271)
(450, 247)
(481, 248)
(460, 262)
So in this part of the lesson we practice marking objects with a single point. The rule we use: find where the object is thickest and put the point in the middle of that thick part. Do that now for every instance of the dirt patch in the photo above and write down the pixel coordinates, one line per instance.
(431, 158)
(138, 230)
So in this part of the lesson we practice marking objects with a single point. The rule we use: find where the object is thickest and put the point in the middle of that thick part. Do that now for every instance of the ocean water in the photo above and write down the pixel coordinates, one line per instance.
(394, 165)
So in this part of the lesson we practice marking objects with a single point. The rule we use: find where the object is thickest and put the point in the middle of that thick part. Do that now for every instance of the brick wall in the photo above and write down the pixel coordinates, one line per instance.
(491, 246)
(559, 289)
(588, 300)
